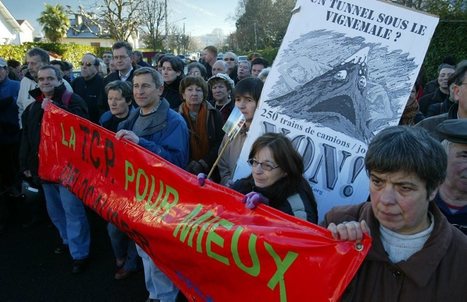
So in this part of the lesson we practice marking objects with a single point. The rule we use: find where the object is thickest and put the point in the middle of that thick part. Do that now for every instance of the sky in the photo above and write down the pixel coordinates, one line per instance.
(199, 17)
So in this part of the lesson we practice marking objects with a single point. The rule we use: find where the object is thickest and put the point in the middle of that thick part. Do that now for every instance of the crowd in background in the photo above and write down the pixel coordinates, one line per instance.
(177, 111)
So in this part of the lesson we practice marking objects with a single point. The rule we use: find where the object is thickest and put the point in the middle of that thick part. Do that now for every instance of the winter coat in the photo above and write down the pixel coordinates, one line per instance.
(432, 274)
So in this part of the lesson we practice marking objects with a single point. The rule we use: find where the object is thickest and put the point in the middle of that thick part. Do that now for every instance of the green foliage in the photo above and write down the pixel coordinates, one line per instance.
(54, 21)
(448, 39)
(70, 52)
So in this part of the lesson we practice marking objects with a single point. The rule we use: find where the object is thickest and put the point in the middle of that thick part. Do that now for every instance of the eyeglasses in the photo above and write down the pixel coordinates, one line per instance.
(85, 64)
(194, 73)
(120, 57)
(264, 165)
(107, 56)
(229, 59)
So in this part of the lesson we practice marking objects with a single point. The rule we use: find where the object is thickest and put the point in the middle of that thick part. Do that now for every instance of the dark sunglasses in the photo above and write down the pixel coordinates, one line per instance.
(229, 59)
(85, 64)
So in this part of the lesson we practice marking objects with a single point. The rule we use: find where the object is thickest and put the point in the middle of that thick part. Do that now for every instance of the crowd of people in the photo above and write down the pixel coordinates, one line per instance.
(417, 209)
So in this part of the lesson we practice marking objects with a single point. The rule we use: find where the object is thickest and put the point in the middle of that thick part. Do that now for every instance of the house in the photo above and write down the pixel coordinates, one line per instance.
(85, 32)
(27, 32)
(9, 28)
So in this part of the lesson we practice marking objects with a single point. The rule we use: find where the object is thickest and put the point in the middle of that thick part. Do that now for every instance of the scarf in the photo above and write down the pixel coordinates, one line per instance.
(199, 143)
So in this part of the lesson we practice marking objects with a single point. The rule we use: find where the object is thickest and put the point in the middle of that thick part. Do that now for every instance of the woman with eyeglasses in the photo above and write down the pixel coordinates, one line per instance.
(277, 174)
(196, 69)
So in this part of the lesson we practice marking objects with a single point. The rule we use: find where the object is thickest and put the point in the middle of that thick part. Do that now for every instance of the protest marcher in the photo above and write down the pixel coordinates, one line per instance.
(411, 110)
(257, 65)
(204, 123)
(243, 70)
(36, 58)
(440, 94)
(9, 142)
(247, 94)
(230, 59)
(221, 87)
(458, 110)
(156, 127)
(219, 67)
(120, 97)
(277, 178)
(196, 69)
(443, 107)
(210, 58)
(172, 73)
(121, 59)
(89, 86)
(415, 251)
(263, 75)
(106, 58)
(65, 210)
(137, 59)
(452, 196)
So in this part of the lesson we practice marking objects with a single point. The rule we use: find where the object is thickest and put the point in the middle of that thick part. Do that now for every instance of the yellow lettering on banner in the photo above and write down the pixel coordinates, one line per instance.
(215, 238)
(69, 141)
(197, 224)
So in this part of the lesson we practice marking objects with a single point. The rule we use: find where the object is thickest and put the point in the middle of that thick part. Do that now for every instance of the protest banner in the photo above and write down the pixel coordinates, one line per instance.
(343, 73)
(203, 238)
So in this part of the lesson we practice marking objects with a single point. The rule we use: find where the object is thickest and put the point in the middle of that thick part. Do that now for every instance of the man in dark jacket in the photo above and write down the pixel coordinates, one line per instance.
(89, 86)
(122, 53)
(65, 210)
(415, 251)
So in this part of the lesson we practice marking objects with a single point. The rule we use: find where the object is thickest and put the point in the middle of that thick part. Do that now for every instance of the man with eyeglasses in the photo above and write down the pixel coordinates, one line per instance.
(452, 195)
(230, 59)
(459, 109)
(89, 86)
(122, 53)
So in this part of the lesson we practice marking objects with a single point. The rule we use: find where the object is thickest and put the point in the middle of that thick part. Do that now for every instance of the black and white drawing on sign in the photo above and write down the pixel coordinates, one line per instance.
(356, 91)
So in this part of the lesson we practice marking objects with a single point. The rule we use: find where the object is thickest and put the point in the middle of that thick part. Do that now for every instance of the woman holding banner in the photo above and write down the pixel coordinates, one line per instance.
(120, 97)
(277, 178)
(204, 124)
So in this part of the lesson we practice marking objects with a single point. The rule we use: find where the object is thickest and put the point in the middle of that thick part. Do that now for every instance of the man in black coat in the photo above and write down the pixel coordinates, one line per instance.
(89, 87)
(122, 54)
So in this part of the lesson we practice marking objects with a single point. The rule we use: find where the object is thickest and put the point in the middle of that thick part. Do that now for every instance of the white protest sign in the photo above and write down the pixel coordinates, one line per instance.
(343, 73)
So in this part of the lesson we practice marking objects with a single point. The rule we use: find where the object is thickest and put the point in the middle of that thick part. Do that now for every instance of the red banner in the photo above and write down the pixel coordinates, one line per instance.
(203, 238)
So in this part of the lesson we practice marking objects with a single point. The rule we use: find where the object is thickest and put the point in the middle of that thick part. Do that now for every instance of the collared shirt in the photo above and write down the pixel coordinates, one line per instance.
(124, 77)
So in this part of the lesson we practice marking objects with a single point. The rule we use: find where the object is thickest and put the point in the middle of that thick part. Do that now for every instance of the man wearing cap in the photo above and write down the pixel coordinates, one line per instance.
(9, 139)
(452, 195)
(221, 86)
(458, 110)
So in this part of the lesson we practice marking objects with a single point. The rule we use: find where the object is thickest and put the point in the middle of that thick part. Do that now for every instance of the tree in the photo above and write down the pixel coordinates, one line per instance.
(262, 23)
(153, 15)
(117, 19)
(54, 22)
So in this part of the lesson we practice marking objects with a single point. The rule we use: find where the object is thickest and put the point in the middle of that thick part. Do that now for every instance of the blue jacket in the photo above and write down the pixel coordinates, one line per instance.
(9, 122)
(167, 136)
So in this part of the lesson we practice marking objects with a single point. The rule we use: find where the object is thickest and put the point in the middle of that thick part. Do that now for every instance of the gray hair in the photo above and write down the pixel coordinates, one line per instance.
(36, 51)
(408, 149)
(156, 76)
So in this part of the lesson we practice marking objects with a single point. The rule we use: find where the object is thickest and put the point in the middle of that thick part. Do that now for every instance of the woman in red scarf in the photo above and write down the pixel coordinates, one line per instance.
(204, 123)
